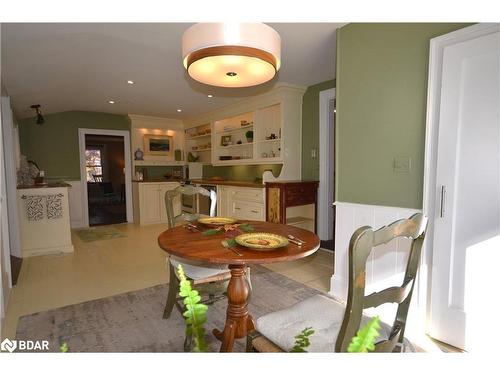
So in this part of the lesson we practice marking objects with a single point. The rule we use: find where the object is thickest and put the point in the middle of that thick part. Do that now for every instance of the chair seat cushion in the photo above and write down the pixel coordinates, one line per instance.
(320, 312)
(197, 271)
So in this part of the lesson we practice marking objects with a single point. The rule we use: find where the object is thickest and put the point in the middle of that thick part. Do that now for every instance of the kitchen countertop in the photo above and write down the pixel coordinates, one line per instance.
(210, 182)
(44, 186)
(229, 183)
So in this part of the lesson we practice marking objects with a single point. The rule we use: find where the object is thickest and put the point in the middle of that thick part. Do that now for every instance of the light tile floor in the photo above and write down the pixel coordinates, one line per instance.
(104, 268)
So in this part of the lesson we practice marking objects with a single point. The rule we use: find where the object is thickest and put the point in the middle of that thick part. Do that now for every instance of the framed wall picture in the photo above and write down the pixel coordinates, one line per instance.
(157, 144)
(225, 140)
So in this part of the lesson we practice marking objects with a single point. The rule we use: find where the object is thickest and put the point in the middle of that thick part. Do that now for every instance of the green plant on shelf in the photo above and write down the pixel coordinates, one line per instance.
(249, 136)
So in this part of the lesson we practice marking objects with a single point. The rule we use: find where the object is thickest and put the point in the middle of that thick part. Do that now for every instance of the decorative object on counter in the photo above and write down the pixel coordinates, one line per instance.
(178, 155)
(255, 46)
(272, 154)
(139, 176)
(157, 144)
(192, 157)
(249, 136)
(239, 142)
(244, 123)
(39, 179)
(225, 140)
(27, 172)
(138, 154)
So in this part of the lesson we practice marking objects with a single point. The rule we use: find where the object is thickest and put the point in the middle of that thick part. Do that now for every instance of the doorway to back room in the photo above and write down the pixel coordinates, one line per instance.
(105, 176)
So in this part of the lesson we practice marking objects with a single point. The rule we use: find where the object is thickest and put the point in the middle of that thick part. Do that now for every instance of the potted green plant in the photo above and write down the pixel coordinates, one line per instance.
(249, 135)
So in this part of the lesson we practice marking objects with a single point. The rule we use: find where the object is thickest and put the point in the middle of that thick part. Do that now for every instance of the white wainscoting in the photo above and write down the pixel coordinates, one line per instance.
(76, 205)
(386, 264)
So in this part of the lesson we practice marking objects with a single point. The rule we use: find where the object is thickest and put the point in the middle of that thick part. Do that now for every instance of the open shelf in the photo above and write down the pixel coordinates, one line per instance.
(198, 136)
(235, 129)
(235, 146)
(269, 140)
(205, 149)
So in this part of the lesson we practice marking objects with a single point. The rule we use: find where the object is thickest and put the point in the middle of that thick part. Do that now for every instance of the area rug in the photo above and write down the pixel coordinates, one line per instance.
(99, 234)
(132, 322)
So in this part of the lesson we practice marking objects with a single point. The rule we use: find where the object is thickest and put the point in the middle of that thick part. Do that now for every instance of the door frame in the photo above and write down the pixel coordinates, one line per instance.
(325, 149)
(430, 192)
(82, 132)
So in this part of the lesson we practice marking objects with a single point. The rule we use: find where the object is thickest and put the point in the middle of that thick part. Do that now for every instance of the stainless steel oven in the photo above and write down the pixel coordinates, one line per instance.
(205, 203)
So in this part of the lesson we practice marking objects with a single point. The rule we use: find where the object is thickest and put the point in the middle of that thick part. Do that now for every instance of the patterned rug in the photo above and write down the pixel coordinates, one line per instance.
(99, 234)
(132, 322)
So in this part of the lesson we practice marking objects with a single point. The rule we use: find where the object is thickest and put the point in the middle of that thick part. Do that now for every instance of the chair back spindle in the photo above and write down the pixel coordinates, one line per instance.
(362, 242)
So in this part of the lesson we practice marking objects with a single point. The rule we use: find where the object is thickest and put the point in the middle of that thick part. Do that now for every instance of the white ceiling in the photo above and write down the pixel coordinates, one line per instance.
(67, 67)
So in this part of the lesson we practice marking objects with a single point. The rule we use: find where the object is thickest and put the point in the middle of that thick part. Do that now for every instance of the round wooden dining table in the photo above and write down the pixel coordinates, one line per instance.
(194, 245)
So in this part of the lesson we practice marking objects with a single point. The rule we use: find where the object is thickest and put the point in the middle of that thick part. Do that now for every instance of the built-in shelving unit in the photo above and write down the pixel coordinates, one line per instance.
(199, 143)
(273, 117)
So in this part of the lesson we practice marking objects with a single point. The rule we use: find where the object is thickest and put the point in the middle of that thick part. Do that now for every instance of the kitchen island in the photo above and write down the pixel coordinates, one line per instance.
(44, 219)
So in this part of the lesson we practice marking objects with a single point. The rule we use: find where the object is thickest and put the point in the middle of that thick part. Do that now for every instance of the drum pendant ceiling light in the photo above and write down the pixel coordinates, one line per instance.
(231, 54)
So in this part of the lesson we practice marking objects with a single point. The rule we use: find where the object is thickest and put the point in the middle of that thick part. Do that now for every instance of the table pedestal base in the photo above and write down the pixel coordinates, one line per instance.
(238, 321)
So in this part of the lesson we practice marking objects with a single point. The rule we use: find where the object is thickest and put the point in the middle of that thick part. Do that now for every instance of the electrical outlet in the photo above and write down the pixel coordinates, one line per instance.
(402, 164)
(313, 153)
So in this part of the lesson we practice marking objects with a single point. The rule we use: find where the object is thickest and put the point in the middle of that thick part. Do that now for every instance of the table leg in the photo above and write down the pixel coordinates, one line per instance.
(238, 321)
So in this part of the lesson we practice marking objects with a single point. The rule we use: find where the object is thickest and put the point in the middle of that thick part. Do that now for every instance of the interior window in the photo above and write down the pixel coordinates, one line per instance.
(93, 164)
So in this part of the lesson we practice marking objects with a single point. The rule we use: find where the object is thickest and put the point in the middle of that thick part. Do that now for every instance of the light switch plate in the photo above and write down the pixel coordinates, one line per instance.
(313, 153)
(402, 164)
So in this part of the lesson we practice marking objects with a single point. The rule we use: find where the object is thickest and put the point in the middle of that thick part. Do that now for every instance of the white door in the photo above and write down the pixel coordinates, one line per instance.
(467, 222)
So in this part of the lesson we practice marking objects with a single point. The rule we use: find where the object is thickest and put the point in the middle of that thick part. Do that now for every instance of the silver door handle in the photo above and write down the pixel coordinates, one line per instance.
(443, 198)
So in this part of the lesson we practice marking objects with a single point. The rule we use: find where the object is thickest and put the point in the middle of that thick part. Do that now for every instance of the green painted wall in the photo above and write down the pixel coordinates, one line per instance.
(241, 172)
(381, 106)
(310, 129)
(54, 145)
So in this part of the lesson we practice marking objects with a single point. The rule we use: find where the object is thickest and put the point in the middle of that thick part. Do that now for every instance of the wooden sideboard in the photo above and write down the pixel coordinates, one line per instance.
(293, 203)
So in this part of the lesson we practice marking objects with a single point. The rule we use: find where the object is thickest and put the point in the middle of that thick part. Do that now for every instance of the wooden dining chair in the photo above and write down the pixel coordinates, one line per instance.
(209, 279)
(335, 323)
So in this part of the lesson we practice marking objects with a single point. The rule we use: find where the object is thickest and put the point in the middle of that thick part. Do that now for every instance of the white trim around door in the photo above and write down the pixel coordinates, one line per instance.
(326, 160)
(430, 193)
(82, 132)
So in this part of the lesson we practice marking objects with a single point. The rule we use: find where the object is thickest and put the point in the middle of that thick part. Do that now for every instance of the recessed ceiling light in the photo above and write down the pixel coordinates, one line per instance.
(130, 82)
(111, 101)
(210, 95)
(179, 110)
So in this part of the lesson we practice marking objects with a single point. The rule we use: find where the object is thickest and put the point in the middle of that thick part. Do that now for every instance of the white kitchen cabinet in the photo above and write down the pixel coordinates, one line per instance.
(149, 202)
(242, 203)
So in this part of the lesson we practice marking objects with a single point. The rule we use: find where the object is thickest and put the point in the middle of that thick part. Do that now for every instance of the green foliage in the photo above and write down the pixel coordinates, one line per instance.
(302, 341)
(249, 134)
(246, 227)
(64, 348)
(210, 232)
(364, 341)
(229, 242)
(195, 314)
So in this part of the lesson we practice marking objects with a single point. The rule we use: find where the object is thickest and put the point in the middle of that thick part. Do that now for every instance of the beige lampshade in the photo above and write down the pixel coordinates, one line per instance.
(231, 54)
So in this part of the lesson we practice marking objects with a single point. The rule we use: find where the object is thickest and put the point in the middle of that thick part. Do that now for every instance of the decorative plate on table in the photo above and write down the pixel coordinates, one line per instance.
(261, 241)
(216, 221)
